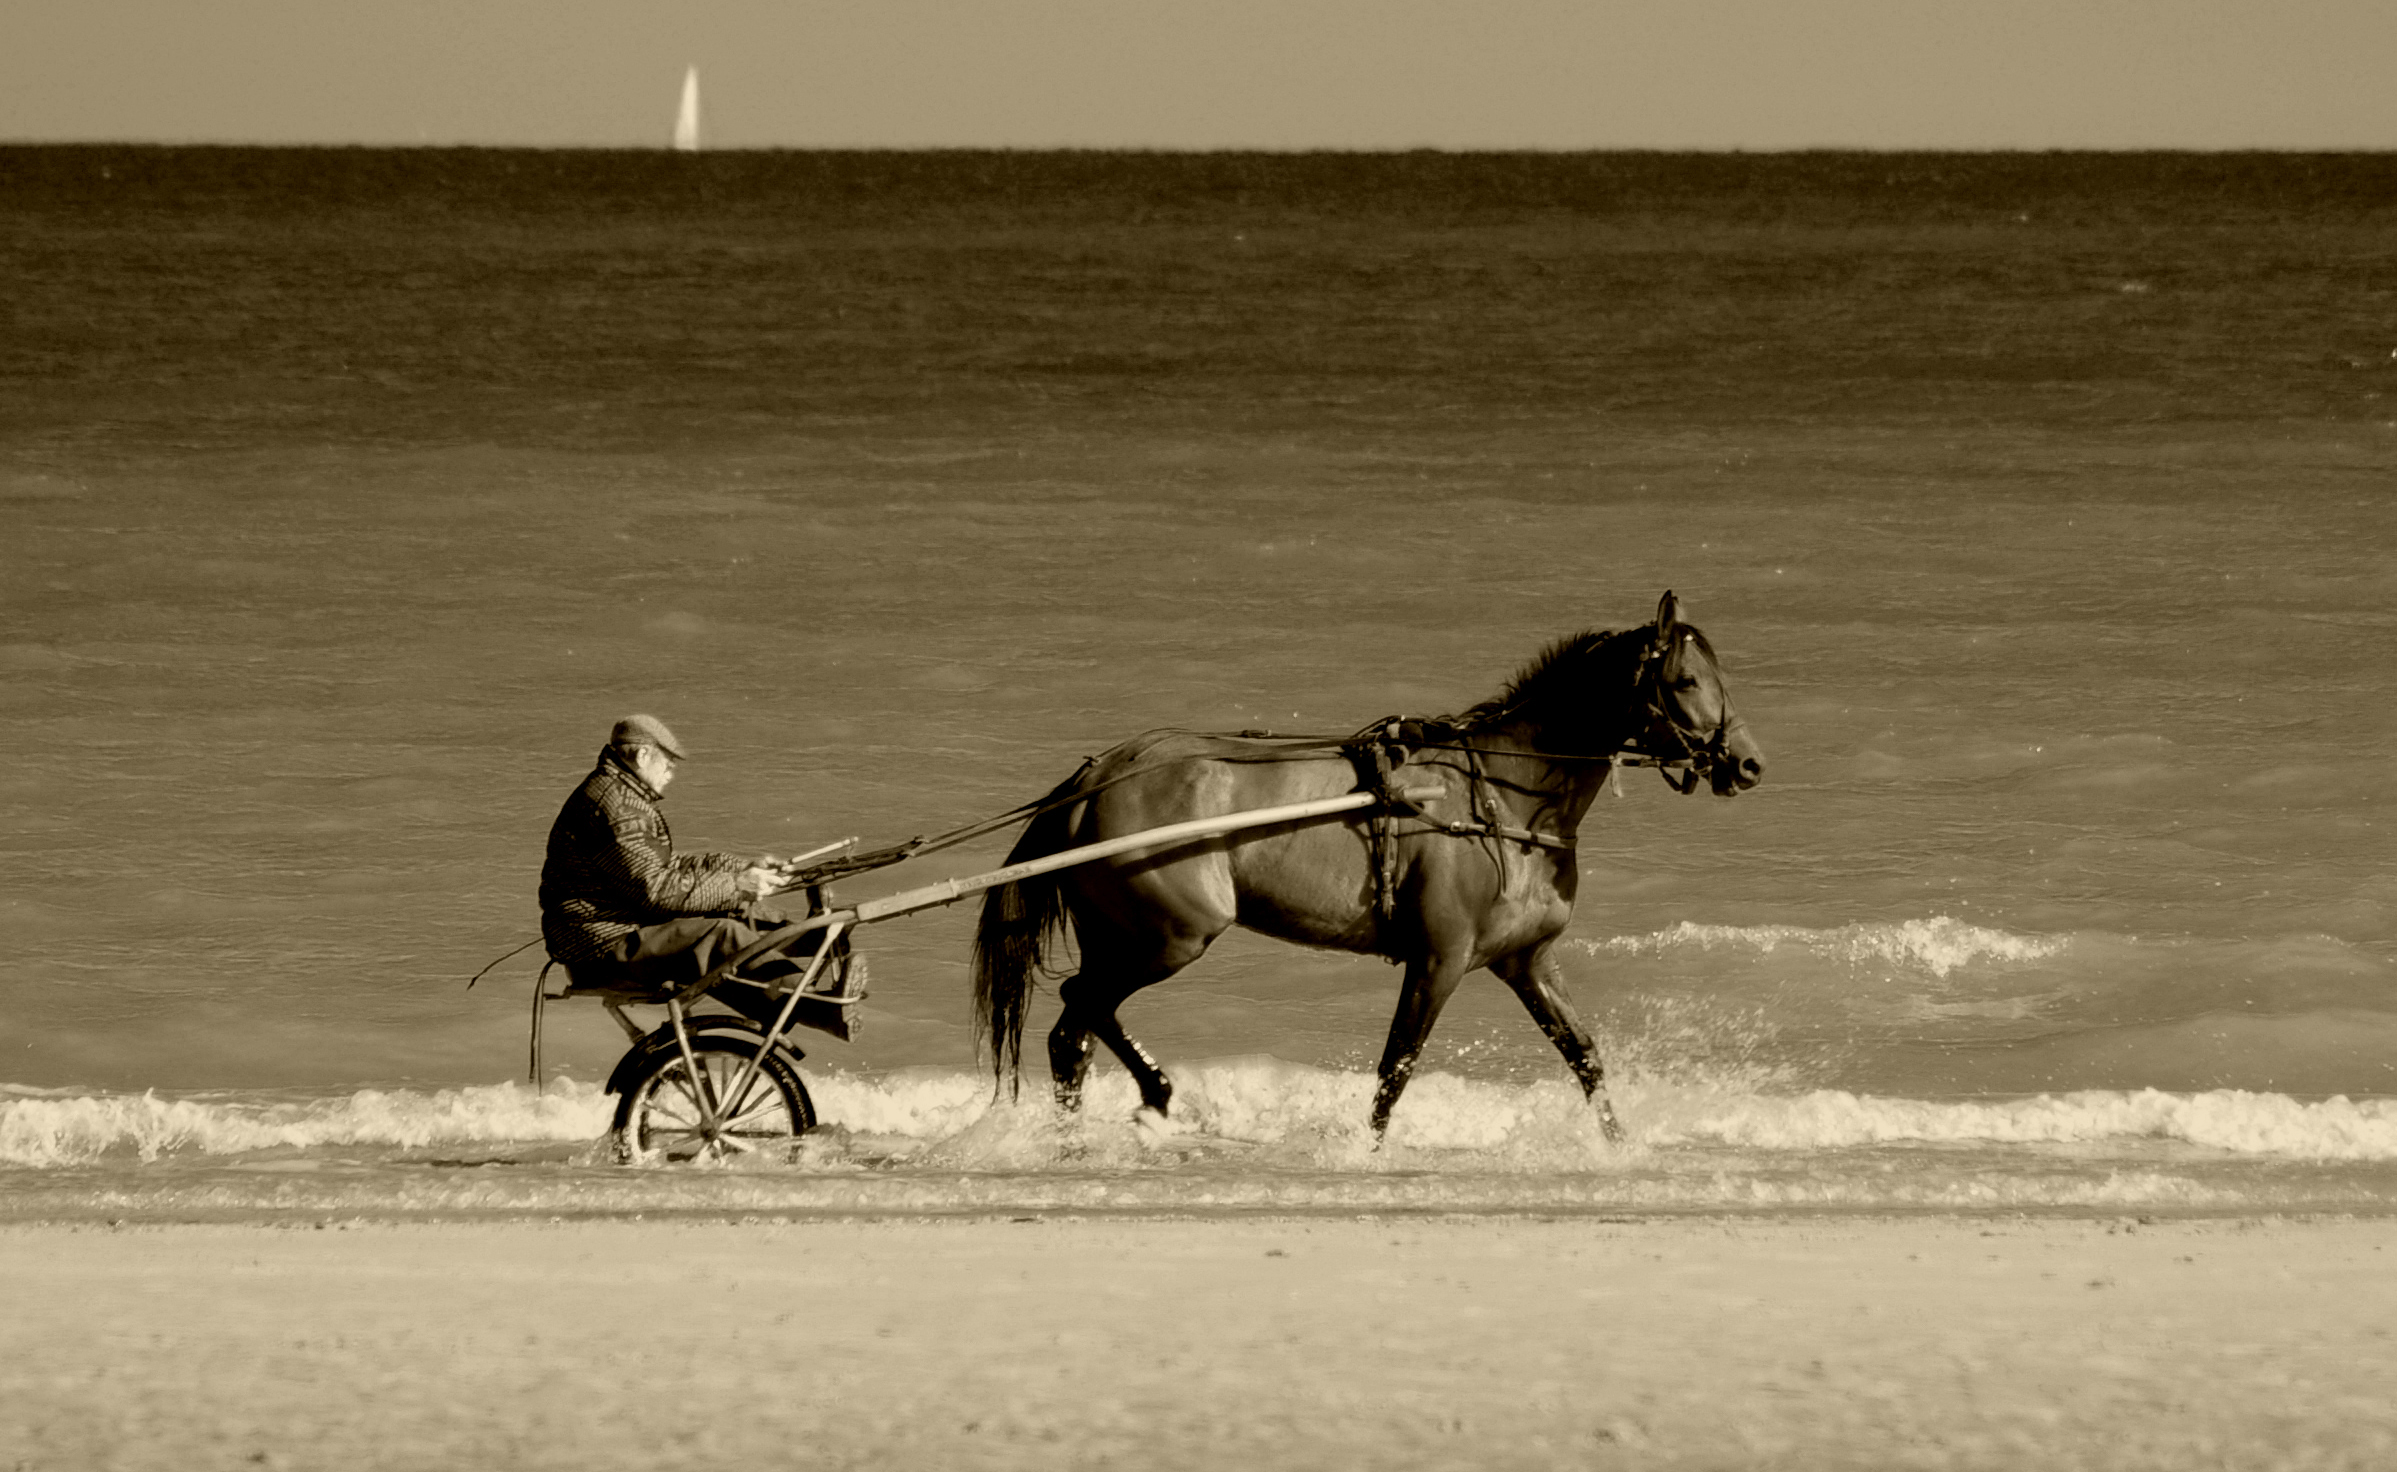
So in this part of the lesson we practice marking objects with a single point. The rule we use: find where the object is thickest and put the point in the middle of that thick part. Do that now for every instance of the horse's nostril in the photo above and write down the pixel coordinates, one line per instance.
(1751, 768)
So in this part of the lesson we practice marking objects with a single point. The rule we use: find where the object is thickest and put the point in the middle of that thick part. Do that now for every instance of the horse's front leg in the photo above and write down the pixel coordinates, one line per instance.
(1540, 982)
(1425, 991)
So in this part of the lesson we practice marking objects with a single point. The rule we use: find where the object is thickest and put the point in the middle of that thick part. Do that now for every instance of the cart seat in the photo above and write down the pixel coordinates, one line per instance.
(841, 984)
(597, 982)
(829, 1006)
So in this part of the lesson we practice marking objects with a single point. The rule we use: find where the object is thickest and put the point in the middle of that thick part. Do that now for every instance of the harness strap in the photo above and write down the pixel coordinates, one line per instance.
(1482, 825)
(1476, 828)
(1483, 821)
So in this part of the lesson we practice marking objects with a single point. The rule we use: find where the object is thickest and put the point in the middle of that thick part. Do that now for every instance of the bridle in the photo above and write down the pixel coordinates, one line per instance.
(1667, 742)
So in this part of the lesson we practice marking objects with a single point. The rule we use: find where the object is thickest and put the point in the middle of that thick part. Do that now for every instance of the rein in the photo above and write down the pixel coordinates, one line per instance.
(1698, 758)
(1298, 746)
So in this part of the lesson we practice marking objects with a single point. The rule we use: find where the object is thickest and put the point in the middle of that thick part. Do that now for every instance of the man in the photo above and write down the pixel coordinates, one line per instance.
(618, 904)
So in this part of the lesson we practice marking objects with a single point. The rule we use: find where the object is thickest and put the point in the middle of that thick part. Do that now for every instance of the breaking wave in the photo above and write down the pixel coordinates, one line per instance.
(48, 1128)
(2228, 1120)
(1938, 945)
(1254, 1113)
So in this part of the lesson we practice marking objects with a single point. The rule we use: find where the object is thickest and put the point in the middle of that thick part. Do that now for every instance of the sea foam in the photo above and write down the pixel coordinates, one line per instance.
(1257, 1113)
(1939, 945)
(53, 1129)
(2229, 1120)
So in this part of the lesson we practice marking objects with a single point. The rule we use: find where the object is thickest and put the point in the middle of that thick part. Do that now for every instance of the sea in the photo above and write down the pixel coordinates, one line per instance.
(2042, 507)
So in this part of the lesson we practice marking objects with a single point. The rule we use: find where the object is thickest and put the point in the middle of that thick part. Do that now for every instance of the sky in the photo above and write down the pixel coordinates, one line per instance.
(1278, 74)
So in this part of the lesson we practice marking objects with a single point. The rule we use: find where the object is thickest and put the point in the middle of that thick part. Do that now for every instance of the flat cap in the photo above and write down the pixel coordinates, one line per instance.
(646, 731)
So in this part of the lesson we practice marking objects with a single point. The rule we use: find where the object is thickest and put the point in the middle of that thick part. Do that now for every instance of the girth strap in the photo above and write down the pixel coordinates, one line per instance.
(1374, 757)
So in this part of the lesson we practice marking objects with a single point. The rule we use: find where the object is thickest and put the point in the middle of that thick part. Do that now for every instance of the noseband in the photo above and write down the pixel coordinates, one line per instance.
(1667, 742)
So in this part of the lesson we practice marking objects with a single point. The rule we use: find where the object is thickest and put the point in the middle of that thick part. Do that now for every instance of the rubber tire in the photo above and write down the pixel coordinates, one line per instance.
(656, 1117)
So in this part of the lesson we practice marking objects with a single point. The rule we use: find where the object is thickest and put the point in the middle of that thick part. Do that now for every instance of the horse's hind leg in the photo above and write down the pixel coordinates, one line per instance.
(1070, 1045)
(1156, 1090)
(1537, 979)
(1420, 998)
(1108, 976)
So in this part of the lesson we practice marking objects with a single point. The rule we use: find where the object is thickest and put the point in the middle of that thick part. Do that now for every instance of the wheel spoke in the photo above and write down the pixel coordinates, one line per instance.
(680, 1077)
(724, 1070)
(768, 1117)
(761, 1099)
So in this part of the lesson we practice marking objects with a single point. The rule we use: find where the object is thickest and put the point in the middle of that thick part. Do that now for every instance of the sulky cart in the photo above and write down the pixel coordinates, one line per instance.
(706, 1085)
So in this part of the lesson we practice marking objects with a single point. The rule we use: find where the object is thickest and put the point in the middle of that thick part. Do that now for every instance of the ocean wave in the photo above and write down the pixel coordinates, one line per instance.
(1245, 1115)
(2230, 1120)
(51, 1129)
(1939, 945)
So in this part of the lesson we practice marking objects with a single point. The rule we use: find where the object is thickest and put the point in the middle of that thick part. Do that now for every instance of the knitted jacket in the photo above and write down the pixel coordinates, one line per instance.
(612, 868)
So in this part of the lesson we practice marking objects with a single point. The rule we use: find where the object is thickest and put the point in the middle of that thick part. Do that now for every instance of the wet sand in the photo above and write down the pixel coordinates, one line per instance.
(1789, 1342)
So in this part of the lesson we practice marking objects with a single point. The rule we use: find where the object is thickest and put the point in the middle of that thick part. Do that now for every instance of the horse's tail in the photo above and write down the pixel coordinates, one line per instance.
(1018, 922)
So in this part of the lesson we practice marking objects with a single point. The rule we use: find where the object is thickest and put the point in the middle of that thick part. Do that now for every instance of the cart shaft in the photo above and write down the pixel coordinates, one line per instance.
(949, 891)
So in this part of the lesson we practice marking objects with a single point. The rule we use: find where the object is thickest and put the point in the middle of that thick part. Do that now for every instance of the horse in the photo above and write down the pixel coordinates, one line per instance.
(1468, 861)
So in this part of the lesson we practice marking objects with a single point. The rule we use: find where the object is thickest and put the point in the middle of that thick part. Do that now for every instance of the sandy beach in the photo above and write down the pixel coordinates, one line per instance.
(1062, 1342)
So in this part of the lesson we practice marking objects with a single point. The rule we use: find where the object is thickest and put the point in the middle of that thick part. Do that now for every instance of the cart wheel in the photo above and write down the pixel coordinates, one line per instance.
(659, 1114)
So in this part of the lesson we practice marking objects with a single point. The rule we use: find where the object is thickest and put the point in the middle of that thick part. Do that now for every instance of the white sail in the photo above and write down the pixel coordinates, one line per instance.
(686, 123)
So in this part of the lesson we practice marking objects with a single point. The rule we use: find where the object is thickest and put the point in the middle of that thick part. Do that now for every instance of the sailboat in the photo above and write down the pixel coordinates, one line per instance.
(686, 123)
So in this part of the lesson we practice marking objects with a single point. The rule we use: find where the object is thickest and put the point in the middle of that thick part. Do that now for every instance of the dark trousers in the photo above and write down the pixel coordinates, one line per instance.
(673, 952)
(685, 948)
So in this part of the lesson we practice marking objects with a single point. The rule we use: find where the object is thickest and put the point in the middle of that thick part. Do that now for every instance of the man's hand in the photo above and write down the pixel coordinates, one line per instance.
(763, 877)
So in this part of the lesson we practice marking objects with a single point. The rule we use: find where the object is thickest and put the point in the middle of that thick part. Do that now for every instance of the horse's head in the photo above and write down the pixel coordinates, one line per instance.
(1689, 708)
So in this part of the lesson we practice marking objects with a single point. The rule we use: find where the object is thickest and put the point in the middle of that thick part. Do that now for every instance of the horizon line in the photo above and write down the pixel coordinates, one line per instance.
(1252, 150)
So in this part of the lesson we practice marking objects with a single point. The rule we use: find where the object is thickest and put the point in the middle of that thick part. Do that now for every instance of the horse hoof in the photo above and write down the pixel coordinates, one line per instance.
(1154, 1124)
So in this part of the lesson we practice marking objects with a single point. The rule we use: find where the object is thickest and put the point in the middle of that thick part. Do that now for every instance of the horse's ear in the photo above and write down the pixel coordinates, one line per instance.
(1668, 613)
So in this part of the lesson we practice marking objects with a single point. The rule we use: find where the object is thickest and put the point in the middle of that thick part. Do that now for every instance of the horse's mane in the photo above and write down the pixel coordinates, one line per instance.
(1566, 669)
